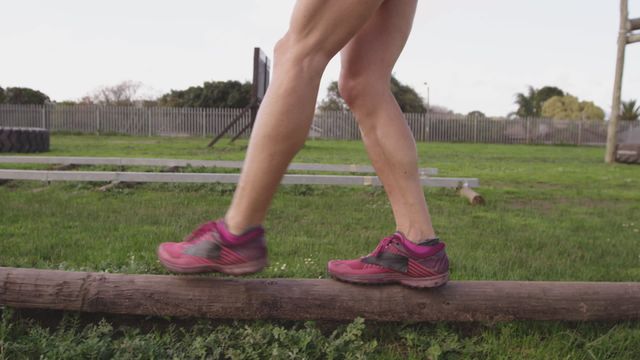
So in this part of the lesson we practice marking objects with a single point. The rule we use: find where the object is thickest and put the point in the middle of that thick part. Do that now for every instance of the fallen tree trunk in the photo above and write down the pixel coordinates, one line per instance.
(291, 299)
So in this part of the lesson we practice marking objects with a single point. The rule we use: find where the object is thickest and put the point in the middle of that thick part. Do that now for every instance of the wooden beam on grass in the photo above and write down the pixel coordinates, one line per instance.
(313, 299)
(474, 198)
(337, 180)
(109, 186)
(79, 160)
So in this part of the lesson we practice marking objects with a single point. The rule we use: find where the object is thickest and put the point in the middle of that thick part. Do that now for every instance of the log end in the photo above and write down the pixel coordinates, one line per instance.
(474, 198)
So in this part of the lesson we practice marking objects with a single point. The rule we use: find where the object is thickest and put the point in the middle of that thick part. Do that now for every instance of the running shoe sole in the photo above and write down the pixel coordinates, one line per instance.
(234, 269)
(424, 282)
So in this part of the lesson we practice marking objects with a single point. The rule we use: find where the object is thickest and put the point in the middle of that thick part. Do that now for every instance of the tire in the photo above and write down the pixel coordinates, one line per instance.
(628, 153)
(24, 140)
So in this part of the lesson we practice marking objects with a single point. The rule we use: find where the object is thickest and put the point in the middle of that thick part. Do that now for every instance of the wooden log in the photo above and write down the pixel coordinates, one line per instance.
(109, 186)
(297, 299)
(474, 198)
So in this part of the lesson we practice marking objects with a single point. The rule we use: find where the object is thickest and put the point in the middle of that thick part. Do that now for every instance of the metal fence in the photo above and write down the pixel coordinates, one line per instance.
(452, 128)
(149, 121)
(161, 121)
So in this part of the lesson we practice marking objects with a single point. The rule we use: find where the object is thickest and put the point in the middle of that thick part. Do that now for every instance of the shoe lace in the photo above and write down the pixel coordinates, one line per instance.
(384, 243)
(201, 230)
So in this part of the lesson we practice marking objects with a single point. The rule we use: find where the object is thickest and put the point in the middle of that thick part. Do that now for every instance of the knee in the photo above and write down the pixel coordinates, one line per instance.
(357, 88)
(296, 52)
(348, 87)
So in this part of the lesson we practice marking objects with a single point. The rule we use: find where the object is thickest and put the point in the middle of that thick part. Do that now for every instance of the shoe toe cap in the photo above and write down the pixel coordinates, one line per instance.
(169, 249)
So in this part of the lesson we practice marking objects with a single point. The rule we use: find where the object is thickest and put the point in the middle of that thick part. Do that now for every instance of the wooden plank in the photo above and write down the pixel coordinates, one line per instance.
(109, 186)
(65, 160)
(313, 299)
(339, 180)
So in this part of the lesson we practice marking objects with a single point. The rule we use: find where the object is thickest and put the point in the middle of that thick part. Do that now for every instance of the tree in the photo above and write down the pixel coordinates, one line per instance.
(406, 96)
(530, 104)
(526, 103)
(1, 95)
(477, 114)
(439, 109)
(24, 96)
(570, 108)
(630, 111)
(66, 103)
(545, 93)
(123, 94)
(232, 94)
(333, 101)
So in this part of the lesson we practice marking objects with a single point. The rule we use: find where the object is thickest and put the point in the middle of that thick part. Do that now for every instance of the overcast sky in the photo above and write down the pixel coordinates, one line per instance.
(474, 55)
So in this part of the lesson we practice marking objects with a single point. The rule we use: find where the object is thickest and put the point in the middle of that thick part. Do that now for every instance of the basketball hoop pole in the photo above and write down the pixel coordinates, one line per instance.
(260, 84)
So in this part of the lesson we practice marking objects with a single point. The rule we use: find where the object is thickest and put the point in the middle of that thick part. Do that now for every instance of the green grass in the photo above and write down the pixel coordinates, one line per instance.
(552, 213)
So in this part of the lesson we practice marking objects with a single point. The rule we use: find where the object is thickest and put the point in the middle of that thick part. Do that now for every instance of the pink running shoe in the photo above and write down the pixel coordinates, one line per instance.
(211, 247)
(397, 260)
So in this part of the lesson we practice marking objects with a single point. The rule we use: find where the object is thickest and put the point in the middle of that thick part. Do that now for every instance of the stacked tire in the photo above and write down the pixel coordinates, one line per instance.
(628, 153)
(24, 140)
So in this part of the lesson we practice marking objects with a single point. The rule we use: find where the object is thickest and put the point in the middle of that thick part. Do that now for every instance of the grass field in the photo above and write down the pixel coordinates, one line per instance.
(552, 213)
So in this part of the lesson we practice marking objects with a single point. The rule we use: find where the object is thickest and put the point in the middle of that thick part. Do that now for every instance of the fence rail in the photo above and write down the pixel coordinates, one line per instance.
(161, 121)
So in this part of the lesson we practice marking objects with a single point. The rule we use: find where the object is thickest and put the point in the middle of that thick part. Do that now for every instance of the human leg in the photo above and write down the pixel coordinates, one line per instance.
(367, 62)
(318, 30)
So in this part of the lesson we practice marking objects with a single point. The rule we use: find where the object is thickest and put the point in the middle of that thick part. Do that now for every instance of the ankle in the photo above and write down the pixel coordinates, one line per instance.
(237, 228)
(417, 236)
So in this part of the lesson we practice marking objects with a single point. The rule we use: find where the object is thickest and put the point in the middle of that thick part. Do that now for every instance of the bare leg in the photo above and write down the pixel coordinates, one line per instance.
(367, 62)
(318, 30)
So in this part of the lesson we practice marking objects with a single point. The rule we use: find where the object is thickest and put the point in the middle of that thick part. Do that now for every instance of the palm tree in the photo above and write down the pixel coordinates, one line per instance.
(527, 103)
(630, 111)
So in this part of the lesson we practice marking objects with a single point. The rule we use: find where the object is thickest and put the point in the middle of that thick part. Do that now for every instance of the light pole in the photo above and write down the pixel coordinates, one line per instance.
(428, 104)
